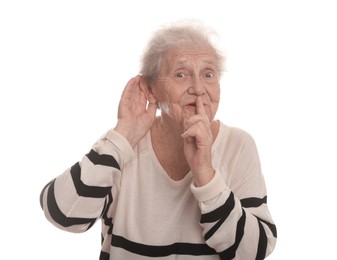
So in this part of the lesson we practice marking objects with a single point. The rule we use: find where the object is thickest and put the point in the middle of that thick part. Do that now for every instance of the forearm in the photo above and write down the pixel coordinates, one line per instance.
(67, 209)
(76, 198)
(232, 229)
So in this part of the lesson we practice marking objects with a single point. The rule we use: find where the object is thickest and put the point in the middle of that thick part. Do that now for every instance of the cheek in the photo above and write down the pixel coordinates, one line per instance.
(215, 99)
(171, 96)
(213, 109)
(214, 94)
(160, 90)
(175, 93)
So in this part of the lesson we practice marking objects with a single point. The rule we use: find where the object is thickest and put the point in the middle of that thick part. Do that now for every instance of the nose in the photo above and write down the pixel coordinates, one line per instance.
(197, 88)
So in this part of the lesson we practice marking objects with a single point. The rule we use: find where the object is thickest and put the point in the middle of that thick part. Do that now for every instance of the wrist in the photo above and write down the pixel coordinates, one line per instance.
(204, 177)
(127, 132)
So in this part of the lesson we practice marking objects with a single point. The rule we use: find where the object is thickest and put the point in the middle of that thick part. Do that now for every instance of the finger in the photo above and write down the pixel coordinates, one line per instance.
(194, 120)
(127, 90)
(147, 91)
(140, 96)
(152, 109)
(190, 132)
(133, 96)
(188, 140)
(200, 106)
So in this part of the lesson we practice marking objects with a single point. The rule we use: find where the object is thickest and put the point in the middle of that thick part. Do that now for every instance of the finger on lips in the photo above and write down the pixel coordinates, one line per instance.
(200, 106)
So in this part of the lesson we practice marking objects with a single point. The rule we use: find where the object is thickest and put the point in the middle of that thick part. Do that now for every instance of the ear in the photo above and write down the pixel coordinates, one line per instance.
(145, 87)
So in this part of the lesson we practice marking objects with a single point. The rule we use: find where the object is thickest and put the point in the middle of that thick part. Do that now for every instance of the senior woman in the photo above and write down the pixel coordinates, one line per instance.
(176, 184)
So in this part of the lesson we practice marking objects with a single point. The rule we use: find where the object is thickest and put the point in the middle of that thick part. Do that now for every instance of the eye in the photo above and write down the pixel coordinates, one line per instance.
(180, 75)
(209, 74)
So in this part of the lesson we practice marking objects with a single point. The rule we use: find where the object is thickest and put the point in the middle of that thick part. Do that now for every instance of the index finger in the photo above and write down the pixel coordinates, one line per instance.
(200, 106)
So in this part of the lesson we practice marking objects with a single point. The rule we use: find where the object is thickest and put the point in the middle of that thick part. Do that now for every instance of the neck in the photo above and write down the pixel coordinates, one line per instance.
(168, 146)
(167, 132)
(164, 132)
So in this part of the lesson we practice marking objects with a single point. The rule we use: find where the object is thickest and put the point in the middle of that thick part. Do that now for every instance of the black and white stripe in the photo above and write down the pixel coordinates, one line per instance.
(219, 216)
(82, 190)
(178, 248)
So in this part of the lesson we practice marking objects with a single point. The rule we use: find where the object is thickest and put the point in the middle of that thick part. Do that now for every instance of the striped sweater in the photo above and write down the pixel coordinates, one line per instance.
(145, 214)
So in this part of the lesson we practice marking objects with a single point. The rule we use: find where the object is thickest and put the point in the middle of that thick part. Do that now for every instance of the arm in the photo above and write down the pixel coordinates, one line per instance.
(235, 217)
(136, 111)
(78, 197)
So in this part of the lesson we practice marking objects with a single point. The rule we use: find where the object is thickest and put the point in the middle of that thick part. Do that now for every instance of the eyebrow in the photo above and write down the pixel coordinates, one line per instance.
(183, 61)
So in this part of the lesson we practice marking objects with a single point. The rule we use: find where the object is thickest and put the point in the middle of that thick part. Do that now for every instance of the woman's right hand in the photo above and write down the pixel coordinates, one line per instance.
(136, 111)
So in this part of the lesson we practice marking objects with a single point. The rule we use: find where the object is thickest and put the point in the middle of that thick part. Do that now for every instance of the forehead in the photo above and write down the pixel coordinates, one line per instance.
(185, 54)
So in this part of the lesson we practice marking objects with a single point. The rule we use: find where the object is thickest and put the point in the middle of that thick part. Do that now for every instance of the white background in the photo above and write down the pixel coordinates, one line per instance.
(63, 65)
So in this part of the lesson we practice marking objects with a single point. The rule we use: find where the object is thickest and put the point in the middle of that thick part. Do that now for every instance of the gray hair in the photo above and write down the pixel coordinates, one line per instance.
(173, 35)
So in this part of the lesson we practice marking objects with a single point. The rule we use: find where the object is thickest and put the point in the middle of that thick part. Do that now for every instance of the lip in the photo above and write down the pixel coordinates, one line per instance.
(191, 105)
(194, 104)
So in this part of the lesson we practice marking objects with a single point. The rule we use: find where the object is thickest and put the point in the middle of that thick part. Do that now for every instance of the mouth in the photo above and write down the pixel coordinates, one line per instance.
(191, 105)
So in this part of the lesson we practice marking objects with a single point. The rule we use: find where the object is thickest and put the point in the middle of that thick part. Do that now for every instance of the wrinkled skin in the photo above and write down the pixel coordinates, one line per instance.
(187, 91)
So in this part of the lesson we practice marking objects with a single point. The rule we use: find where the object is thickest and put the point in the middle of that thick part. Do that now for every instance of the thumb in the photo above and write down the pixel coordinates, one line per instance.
(152, 107)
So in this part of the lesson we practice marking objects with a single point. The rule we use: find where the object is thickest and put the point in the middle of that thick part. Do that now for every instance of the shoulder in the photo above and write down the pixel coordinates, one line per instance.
(234, 134)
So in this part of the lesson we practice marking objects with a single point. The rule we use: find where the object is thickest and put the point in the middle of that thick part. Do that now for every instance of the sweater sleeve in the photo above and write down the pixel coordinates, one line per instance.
(74, 200)
(234, 215)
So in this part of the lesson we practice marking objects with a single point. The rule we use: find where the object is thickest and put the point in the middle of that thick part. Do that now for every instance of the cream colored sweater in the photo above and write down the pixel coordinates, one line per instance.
(146, 214)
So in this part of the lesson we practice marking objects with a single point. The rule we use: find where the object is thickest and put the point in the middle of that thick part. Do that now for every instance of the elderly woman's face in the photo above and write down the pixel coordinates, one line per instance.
(188, 72)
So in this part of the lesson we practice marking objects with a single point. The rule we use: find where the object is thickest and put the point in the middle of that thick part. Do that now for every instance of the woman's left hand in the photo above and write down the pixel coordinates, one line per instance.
(198, 141)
